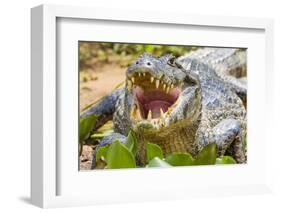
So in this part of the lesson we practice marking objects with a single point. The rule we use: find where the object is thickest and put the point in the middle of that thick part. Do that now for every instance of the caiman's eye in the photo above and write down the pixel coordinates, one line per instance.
(171, 61)
(174, 63)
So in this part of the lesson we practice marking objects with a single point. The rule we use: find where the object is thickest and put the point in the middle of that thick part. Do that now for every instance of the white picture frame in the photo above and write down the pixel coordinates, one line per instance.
(54, 182)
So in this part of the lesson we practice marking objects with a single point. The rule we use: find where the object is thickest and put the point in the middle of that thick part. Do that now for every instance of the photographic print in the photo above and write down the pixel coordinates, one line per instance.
(147, 105)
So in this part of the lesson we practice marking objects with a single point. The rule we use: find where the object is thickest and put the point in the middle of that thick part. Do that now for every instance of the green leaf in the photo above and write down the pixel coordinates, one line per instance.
(225, 160)
(86, 124)
(101, 152)
(131, 143)
(152, 151)
(180, 159)
(207, 156)
(118, 156)
(157, 162)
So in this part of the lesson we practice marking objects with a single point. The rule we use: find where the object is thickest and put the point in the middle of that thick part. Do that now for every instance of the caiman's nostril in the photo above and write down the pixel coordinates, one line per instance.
(137, 62)
(148, 63)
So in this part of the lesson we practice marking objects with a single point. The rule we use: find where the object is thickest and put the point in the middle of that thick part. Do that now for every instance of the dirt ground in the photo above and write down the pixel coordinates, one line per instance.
(86, 158)
(98, 82)
(94, 84)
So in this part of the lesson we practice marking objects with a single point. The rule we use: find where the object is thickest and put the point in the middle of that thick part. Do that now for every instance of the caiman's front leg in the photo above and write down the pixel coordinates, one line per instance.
(104, 108)
(228, 136)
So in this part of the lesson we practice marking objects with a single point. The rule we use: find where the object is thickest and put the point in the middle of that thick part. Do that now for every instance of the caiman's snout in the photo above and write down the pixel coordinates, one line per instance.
(144, 65)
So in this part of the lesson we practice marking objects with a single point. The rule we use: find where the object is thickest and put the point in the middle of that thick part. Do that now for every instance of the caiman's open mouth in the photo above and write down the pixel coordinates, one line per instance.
(153, 99)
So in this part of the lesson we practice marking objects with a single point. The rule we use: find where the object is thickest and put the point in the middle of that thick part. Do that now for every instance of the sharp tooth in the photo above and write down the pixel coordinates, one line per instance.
(133, 79)
(151, 79)
(169, 110)
(133, 111)
(129, 84)
(139, 74)
(138, 114)
(172, 86)
(161, 113)
(164, 86)
(143, 73)
(168, 89)
(149, 115)
(157, 83)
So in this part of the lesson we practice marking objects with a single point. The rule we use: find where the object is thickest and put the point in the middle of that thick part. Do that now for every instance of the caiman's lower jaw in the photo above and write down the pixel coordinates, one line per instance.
(154, 99)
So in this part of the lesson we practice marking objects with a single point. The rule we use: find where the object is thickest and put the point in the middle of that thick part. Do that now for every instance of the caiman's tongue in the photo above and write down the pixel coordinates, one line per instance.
(153, 100)
(155, 107)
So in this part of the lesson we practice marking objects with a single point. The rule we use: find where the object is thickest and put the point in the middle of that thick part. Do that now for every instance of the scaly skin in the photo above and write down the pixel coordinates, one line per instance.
(226, 61)
(198, 106)
(229, 64)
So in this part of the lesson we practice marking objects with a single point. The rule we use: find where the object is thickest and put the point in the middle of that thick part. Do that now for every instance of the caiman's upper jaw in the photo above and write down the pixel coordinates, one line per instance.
(154, 99)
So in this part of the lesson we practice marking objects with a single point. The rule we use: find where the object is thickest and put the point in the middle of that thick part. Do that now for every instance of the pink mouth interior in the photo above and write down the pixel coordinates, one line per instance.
(154, 100)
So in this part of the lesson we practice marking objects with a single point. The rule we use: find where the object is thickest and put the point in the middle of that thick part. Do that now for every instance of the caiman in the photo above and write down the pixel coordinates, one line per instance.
(181, 104)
